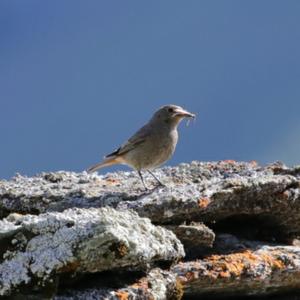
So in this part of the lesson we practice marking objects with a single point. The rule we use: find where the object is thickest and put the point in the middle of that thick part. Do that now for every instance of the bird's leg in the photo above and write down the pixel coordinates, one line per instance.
(141, 176)
(159, 182)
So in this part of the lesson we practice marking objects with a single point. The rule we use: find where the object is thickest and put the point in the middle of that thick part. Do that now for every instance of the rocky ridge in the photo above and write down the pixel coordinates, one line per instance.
(216, 229)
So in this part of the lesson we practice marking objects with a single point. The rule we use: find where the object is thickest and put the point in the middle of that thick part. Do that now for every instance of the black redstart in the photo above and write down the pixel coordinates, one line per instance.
(150, 146)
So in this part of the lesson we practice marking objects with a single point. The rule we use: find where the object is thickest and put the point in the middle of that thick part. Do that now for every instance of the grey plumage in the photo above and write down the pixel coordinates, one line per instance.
(151, 145)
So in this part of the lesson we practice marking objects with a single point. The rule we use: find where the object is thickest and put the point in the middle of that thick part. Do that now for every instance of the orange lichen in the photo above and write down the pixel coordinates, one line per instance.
(190, 276)
(225, 274)
(253, 163)
(141, 284)
(122, 295)
(234, 265)
(229, 161)
(112, 180)
(203, 202)
(275, 263)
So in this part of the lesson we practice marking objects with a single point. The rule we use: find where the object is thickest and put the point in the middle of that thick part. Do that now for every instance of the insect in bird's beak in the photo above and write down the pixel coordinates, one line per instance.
(183, 113)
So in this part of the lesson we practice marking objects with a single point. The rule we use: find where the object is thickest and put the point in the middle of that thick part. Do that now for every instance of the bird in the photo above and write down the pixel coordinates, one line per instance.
(151, 146)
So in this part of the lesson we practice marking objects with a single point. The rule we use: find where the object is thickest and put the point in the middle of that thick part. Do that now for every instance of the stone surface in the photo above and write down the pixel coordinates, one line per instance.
(258, 271)
(206, 192)
(158, 285)
(210, 192)
(80, 241)
(239, 223)
(196, 238)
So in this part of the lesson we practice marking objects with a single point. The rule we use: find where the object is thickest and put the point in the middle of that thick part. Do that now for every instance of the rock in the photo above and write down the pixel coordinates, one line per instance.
(254, 268)
(258, 271)
(229, 191)
(80, 241)
(158, 285)
(206, 192)
(195, 237)
(239, 223)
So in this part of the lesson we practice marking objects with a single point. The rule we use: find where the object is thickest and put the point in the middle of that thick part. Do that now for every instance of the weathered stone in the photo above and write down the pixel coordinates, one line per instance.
(264, 270)
(252, 210)
(225, 190)
(80, 241)
(206, 192)
(158, 285)
(253, 268)
(196, 238)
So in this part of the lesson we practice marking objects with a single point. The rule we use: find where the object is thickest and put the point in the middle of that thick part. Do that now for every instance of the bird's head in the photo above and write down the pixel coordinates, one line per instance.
(171, 114)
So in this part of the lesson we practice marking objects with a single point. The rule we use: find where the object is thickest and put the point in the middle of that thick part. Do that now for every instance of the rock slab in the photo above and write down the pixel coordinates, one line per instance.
(238, 222)
(79, 241)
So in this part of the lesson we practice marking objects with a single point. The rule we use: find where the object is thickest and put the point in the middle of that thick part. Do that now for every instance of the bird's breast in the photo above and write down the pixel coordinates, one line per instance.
(154, 151)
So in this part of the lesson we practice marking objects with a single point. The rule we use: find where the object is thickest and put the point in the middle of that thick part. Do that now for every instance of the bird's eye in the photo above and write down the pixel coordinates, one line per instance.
(170, 110)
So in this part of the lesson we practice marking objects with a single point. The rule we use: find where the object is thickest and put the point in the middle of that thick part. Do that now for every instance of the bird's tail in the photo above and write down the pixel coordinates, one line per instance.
(108, 161)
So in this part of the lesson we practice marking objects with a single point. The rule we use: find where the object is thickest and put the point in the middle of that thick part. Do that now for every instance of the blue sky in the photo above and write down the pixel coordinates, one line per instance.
(77, 78)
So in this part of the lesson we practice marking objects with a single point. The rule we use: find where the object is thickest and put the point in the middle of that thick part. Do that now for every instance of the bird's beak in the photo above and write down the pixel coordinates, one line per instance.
(183, 113)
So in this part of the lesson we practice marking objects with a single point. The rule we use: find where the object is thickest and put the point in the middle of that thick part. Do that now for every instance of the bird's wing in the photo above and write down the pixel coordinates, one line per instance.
(138, 138)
